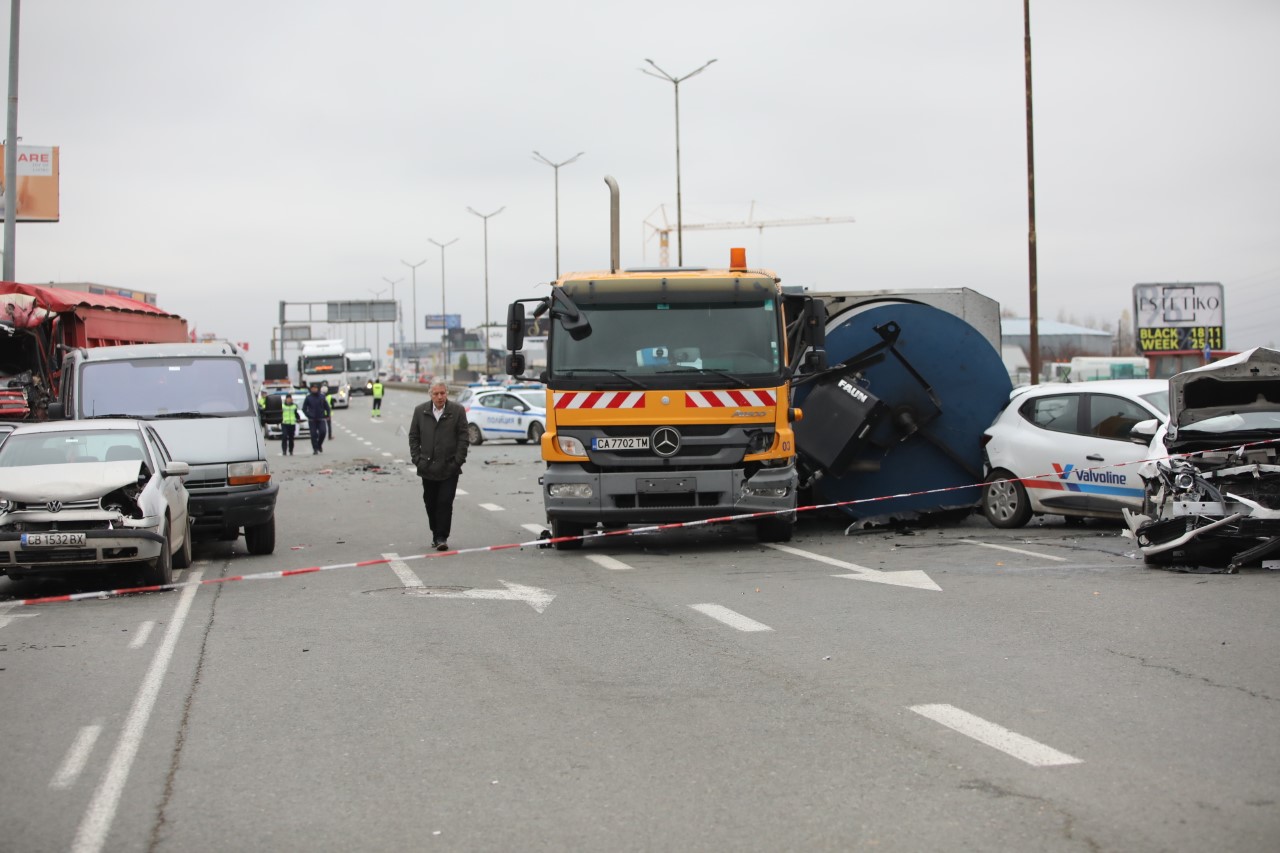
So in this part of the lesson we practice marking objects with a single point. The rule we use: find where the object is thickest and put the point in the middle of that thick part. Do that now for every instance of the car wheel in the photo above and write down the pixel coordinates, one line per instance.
(535, 432)
(774, 529)
(474, 435)
(566, 528)
(261, 538)
(1005, 504)
(160, 570)
(182, 559)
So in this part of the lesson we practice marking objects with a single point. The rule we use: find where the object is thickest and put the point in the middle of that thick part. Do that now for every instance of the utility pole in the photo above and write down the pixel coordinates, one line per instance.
(444, 306)
(416, 361)
(556, 167)
(1034, 355)
(11, 147)
(484, 344)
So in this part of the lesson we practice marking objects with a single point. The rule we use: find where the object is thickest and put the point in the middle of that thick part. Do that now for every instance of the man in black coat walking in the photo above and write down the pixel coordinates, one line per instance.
(316, 408)
(438, 448)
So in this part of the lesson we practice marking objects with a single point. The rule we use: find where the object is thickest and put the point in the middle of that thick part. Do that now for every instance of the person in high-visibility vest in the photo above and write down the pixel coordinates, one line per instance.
(377, 398)
(328, 398)
(288, 424)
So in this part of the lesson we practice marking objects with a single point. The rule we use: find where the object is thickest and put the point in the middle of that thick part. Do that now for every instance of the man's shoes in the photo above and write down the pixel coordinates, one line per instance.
(442, 546)
(435, 544)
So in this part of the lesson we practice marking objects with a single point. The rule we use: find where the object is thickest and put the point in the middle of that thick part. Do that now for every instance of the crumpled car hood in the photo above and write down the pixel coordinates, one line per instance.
(1248, 382)
(74, 481)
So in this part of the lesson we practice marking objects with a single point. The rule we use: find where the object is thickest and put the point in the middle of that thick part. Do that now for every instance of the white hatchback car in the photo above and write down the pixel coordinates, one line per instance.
(516, 413)
(76, 495)
(1064, 449)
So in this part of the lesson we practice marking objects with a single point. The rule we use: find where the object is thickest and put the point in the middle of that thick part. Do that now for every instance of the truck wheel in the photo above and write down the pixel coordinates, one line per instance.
(774, 529)
(474, 436)
(261, 538)
(160, 570)
(1005, 505)
(566, 528)
(182, 559)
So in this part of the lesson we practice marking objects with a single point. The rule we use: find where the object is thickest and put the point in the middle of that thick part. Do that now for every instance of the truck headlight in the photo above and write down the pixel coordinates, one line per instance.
(570, 446)
(570, 490)
(764, 491)
(248, 473)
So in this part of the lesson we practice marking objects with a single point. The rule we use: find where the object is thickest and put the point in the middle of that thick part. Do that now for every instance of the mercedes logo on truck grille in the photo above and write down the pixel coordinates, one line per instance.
(665, 441)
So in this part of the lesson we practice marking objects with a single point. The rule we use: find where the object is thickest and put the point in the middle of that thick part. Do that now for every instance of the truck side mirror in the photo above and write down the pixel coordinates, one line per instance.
(815, 361)
(515, 326)
(515, 364)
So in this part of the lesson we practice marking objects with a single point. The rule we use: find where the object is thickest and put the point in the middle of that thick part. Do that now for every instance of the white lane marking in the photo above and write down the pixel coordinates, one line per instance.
(535, 529)
(491, 507)
(606, 562)
(97, 819)
(1015, 550)
(140, 639)
(912, 577)
(6, 616)
(462, 492)
(76, 757)
(369, 443)
(535, 597)
(730, 618)
(407, 576)
(385, 453)
(997, 737)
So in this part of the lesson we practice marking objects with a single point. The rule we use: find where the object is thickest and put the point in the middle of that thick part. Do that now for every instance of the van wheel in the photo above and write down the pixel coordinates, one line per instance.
(774, 529)
(1006, 504)
(182, 559)
(160, 570)
(566, 528)
(261, 538)
(474, 436)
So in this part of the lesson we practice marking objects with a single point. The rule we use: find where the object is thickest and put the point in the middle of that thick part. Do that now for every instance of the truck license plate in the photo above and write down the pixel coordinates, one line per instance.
(638, 442)
(52, 540)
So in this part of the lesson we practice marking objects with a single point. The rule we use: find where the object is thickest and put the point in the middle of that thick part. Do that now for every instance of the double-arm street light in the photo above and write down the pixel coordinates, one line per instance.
(485, 338)
(444, 306)
(395, 339)
(414, 268)
(676, 81)
(556, 167)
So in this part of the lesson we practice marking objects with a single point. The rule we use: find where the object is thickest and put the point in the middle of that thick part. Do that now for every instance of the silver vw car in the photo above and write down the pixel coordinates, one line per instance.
(76, 495)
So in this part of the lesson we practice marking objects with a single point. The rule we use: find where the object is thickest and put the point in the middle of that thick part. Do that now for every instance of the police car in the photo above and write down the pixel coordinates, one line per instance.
(517, 413)
(270, 411)
(1073, 439)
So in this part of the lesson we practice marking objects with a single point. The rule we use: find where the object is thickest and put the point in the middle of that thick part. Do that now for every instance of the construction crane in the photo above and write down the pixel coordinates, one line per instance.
(664, 230)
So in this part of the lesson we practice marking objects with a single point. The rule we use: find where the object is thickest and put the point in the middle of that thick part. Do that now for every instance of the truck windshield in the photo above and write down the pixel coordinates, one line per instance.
(323, 363)
(156, 387)
(360, 364)
(680, 344)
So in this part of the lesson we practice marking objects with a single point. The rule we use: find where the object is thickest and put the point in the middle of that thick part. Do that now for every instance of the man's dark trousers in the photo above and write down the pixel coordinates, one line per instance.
(438, 496)
(317, 435)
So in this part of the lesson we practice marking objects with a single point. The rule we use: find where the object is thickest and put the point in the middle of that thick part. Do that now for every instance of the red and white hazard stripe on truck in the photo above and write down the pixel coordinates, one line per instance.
(598, 399)
(728, 399)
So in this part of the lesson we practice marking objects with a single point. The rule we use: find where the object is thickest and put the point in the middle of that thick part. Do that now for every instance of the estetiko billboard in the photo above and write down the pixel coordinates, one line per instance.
(37, 189)
(1172, 317)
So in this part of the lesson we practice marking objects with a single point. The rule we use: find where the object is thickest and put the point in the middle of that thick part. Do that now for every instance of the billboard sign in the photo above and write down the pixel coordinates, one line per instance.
(295, 333)
(1179, 316)
(363, 311)
(37, 190)
(444, 321)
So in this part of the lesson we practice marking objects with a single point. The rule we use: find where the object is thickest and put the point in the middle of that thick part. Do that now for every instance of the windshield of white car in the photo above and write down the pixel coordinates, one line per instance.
(1159, 399)
(160, 387)
(57, 448)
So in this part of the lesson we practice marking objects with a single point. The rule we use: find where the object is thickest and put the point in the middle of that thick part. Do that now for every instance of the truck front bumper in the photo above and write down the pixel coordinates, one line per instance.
(573, 494)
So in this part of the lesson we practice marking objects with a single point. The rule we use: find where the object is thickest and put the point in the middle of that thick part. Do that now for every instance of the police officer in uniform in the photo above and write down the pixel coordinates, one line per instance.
(288, 425)
(328, 398)
(377, 398)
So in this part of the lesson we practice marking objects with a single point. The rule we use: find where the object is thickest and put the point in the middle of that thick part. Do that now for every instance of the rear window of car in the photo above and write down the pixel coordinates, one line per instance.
(1057, 413)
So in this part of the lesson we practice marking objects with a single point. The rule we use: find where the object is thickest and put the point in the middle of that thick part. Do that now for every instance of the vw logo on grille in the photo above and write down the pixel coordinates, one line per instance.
(665, 441)
(54, 506)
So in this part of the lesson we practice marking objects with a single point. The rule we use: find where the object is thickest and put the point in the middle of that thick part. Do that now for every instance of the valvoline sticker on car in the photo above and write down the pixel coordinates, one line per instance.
(1086, 481)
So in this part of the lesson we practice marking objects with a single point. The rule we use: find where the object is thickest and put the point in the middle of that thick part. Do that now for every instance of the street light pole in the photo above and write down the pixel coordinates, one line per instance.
(556, 167)
(417, 366)
(396, 305)
(485, 337)
(377, 334)
(676, 81)
(444, 307)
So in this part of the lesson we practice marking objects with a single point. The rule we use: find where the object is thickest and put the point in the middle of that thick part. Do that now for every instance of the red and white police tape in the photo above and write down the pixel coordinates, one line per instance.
(626, 531)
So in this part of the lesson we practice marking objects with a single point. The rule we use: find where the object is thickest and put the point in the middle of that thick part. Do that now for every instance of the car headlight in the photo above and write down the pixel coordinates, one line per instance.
(570, 446)
(248, 473)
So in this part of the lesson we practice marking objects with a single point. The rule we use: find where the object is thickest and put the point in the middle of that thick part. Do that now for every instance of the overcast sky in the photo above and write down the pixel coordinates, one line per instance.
(230, 155)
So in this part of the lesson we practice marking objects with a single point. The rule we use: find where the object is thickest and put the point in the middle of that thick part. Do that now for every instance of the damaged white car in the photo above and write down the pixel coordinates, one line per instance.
(76, 495)
(1212, 477)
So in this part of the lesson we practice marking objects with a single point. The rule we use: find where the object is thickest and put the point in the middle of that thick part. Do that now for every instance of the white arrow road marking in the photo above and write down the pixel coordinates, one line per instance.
(6, 616)
(1014, 550)
(77, 756)
(140, 639)
(912, 577)
(536, 598)
(402, 570)
(491, 507)
(1011, 743)
(606, 562)
(730, 618)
